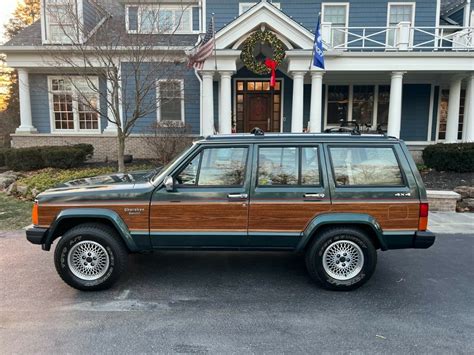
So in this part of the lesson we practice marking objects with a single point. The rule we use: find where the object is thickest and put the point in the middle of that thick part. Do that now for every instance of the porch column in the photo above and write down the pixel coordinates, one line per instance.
(26, 120)
(395, 105)
(453, 110)
(111, 126)
(207, 104)
(297, 104)
(225, 102)
(315, 112)
(468, 126)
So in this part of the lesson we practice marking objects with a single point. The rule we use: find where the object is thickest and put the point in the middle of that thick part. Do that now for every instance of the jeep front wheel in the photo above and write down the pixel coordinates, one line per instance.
(341, 259)
(90, 257)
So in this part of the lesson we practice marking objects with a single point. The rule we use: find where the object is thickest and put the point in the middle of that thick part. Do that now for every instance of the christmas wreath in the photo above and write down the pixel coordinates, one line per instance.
(248, 48)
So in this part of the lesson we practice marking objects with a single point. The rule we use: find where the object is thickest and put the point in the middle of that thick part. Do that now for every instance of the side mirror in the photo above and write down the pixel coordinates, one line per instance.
(169, 183)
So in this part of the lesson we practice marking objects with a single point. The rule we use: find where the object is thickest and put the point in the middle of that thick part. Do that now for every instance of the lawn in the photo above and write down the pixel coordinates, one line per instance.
(14, 214)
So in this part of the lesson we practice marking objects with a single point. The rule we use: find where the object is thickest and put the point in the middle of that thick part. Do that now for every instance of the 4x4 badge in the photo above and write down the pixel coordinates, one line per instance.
(403, 194)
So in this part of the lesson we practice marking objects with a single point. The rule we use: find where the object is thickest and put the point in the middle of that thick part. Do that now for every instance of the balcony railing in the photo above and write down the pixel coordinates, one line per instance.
(402, 37)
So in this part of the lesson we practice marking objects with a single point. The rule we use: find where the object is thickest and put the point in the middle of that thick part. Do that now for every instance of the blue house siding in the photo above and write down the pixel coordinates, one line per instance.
(415, 112)
(40, 102)
(150, 74)
(195, 10)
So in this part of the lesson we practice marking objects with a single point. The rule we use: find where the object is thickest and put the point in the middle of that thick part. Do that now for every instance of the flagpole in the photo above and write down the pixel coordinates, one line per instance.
(214, 35)
(312, 52)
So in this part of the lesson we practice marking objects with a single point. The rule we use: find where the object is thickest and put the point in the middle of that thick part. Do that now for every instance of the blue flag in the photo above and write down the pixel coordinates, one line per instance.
(318, 59)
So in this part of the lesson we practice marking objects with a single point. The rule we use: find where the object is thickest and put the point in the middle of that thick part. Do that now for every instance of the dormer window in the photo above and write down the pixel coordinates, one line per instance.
(155, 19)
(61, 21)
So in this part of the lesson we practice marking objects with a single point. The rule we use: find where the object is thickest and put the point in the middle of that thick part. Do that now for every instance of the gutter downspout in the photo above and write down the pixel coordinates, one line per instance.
(467, 14)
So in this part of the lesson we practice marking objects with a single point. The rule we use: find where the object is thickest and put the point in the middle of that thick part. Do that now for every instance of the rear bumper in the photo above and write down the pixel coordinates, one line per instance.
(423, 240)
(36, 235)
(400, 240)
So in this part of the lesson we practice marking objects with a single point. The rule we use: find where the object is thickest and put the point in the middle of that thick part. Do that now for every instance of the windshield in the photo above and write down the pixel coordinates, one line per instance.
(165, 168)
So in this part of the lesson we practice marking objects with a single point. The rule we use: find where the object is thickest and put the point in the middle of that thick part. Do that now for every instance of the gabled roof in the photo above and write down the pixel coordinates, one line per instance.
(450, 6)
(29, 36)
(273, 18)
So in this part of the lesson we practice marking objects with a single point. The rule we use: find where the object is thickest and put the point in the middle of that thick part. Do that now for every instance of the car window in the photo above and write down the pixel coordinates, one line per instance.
(223, 167)
(278, 166)
(365, 166)
(309, 166)
(188, 176)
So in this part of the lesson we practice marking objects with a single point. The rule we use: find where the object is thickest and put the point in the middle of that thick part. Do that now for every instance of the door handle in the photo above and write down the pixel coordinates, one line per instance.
(314, 195)
(237, 196)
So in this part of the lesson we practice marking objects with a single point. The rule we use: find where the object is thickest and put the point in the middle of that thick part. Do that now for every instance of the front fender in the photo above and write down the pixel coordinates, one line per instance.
(341, 219)
(95, 213)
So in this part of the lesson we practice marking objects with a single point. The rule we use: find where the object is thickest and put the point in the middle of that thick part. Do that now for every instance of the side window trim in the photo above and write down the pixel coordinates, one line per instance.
(299, 148)
(391, 146)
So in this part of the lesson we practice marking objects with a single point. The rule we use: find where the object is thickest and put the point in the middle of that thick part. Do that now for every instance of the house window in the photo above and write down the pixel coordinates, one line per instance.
(443, 113)
(74, 104)
(338, 16)
(398, 12)
(245, 6)
(170, 100)
(157, 19)
(366, 104)
(60, 18)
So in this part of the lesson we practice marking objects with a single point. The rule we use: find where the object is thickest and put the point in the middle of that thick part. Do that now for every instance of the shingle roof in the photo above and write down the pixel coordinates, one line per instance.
(29, 36)
(449, 5)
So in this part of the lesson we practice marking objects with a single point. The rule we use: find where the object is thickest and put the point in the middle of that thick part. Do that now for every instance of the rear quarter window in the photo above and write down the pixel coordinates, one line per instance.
(365, 166)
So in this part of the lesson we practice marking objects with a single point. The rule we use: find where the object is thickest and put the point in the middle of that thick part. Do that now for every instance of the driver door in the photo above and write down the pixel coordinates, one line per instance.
(209, 204)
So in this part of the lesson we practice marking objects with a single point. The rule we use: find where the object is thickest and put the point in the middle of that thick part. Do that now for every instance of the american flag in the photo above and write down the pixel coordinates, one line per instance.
(198, 55)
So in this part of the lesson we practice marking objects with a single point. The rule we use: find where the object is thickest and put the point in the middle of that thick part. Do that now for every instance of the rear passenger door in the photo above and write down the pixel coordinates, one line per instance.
(374, 179)
(289, 188)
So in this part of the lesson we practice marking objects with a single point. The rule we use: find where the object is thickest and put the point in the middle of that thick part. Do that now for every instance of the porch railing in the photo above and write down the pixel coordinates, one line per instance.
(402, 37)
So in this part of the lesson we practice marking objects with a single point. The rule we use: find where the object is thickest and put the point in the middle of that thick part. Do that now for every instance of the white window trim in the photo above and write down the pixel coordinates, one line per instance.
(413, 5)
(75, 110)
(158, 100)
(329, 4)
(253, 3)
(350, 103)
(188, 9)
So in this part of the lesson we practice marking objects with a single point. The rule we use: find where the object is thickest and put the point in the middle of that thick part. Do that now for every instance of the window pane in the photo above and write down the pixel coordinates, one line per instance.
(335, 14)
(88, 117)
(223, 167)
(383, 105)
(189, 175)
(374, 166)
(63, 114)
(363, 104)
(133, 18)
(309, 166)
(338, 103)
(278, 166)
(170, 100)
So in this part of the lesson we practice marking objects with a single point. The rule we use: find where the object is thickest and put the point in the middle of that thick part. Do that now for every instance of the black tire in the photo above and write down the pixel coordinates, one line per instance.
(333, 237)
(110, 248)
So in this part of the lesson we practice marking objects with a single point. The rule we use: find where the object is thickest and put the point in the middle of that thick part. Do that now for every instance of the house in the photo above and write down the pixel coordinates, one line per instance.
(406, 67)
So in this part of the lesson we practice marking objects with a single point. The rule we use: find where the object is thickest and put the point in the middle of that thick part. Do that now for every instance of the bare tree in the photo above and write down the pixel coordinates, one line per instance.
(119, 66)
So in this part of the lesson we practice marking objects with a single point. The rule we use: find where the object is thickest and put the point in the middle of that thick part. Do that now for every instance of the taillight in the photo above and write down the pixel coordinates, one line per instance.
(34, 214)
(423, 221)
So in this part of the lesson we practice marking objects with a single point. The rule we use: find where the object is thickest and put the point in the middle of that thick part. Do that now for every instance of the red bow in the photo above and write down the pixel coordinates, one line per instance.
(271, 64)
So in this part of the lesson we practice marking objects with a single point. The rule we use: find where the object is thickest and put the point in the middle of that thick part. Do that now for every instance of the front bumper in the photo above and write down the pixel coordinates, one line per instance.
(36, 235)
(423, 240)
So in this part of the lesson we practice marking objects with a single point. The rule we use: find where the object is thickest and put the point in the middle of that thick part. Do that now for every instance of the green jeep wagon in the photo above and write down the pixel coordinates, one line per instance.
(336, 198)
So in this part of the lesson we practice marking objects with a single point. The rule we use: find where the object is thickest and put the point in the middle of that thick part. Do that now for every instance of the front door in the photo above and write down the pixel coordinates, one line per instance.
(257, 105)
(209, 206)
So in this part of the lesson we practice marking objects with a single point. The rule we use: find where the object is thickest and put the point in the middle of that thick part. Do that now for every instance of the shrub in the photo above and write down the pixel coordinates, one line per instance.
(63, 157)
(457, 157)
(24, 159)
(2, 155)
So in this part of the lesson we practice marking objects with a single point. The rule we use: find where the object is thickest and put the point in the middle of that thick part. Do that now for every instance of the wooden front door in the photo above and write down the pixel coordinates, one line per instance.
(257, 105)
(258, 112)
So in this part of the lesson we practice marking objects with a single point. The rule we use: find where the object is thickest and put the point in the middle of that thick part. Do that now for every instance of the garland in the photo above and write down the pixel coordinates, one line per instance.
(249, 45)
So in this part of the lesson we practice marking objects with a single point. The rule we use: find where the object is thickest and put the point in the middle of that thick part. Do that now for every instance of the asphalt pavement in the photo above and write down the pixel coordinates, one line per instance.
(418, 301)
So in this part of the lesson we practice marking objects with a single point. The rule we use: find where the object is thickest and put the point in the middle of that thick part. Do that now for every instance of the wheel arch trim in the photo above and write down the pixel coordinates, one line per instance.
(340, 219)
(86, 213)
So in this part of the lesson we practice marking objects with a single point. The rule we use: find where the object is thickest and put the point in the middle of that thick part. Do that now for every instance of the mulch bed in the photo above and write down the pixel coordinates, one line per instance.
(446, 180)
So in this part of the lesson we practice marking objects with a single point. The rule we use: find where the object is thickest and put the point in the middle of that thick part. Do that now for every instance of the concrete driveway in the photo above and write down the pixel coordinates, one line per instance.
(419, 301)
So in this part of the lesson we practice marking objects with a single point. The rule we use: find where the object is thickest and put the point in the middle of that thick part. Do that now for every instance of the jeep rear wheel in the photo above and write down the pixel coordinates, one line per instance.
(90, 257)
(341, 258)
